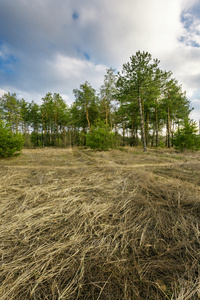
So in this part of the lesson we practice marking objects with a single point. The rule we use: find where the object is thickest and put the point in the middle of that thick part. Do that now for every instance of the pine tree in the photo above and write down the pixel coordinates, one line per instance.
(134, 82)
(107, 96)
(86, 105)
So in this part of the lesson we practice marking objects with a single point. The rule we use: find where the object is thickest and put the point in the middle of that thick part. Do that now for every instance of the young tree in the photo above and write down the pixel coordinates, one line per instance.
(10, 143)
(100, 137)
(186, 137)
(10, 110)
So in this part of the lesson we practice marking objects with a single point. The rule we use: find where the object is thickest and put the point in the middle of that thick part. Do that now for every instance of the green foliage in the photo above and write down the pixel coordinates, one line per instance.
(161, 144)
(100, 137)
(10, 143)
(10, 110)
(137, 103)
(85, 110)
(186, 137)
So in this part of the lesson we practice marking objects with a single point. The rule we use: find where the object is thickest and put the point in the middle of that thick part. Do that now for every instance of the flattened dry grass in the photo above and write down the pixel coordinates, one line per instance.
(97, 230)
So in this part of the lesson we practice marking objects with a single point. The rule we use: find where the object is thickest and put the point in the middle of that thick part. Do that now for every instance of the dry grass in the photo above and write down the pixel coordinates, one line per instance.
(78, 224)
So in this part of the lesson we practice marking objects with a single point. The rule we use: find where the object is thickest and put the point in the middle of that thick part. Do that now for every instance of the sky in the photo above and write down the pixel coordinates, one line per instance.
(57, 45)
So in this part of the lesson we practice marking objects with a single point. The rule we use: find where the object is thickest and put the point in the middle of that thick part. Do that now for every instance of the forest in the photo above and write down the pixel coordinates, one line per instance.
(141, 105)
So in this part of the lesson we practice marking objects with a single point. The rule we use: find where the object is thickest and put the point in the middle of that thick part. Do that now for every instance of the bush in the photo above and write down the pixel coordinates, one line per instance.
(10, 143)
(186, 137)
(100, 137)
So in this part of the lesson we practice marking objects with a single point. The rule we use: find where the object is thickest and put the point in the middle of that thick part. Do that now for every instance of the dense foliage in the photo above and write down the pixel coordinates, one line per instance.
(100, 137)
(186, 137)
(138, 104)
(10, 143)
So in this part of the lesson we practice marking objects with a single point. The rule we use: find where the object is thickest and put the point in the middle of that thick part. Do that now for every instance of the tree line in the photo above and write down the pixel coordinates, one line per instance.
(135, 106)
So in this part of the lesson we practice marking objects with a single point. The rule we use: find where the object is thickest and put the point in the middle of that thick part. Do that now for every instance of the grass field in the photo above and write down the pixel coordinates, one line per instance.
(115, 225)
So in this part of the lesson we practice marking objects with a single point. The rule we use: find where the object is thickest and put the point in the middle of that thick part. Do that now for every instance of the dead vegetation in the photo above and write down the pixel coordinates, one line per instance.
(78, 224)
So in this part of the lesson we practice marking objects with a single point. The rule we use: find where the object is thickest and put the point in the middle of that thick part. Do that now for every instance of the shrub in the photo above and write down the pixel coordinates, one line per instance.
(10, 143)
(186, 137)
(100, 137)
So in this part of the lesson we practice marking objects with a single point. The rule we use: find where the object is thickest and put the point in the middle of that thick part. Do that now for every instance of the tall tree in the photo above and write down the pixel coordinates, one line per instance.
(47, 116)
(86, 105)
(154, 95)
(61, 117)
(176, 104)
(107, 94)
(25, 115)
(134, 80)
(36, 122)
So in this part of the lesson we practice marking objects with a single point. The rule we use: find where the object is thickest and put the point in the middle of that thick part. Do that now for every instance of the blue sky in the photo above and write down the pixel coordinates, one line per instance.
(56, 45)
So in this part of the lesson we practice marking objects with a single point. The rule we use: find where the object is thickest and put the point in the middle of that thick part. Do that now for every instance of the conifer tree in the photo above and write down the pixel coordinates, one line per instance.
(134, 81)
(107, 95)
(86, 105)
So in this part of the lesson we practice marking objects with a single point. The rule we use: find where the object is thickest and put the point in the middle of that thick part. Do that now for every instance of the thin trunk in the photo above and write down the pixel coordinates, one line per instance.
(172, 133)
(44, 128)
(132, 133)
(123, 132)
(17, 124)
(106, 116)
(156, 115)
(152, 140)
(37, 135)
(147, 128)
(45, 134)
(116, 129)
(70, 136)
(136, 135)
(73, 133)
(106, 108)
(56, 137)
(142, 124)
(64, 137)
(168, 129)
(87, 117)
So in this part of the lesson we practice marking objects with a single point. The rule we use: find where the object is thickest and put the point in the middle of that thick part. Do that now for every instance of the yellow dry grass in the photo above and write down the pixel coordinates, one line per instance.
(80, 224)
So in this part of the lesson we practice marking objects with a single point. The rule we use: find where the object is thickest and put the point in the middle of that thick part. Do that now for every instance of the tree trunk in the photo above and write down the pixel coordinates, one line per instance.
(142, 124)
(123, 134)
(152, 140)
(45, 134)
(168, 129)
(156, 115)
(132, 133)
(37, 135)
(44, 128)
(106, 115)
(147, 128)
(56, 133)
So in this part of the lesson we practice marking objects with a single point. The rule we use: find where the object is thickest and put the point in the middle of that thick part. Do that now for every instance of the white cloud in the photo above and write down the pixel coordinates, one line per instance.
(50, 45)
(2, 92)
(71, 72)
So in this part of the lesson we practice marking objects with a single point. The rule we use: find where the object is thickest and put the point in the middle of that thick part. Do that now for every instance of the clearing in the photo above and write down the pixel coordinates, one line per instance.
(83, 224)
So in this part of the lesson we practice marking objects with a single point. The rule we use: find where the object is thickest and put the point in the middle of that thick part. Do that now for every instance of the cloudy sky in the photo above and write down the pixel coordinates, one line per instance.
(56, 45)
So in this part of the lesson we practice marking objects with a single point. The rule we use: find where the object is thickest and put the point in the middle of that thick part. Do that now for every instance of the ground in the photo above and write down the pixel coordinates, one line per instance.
(83, 224)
